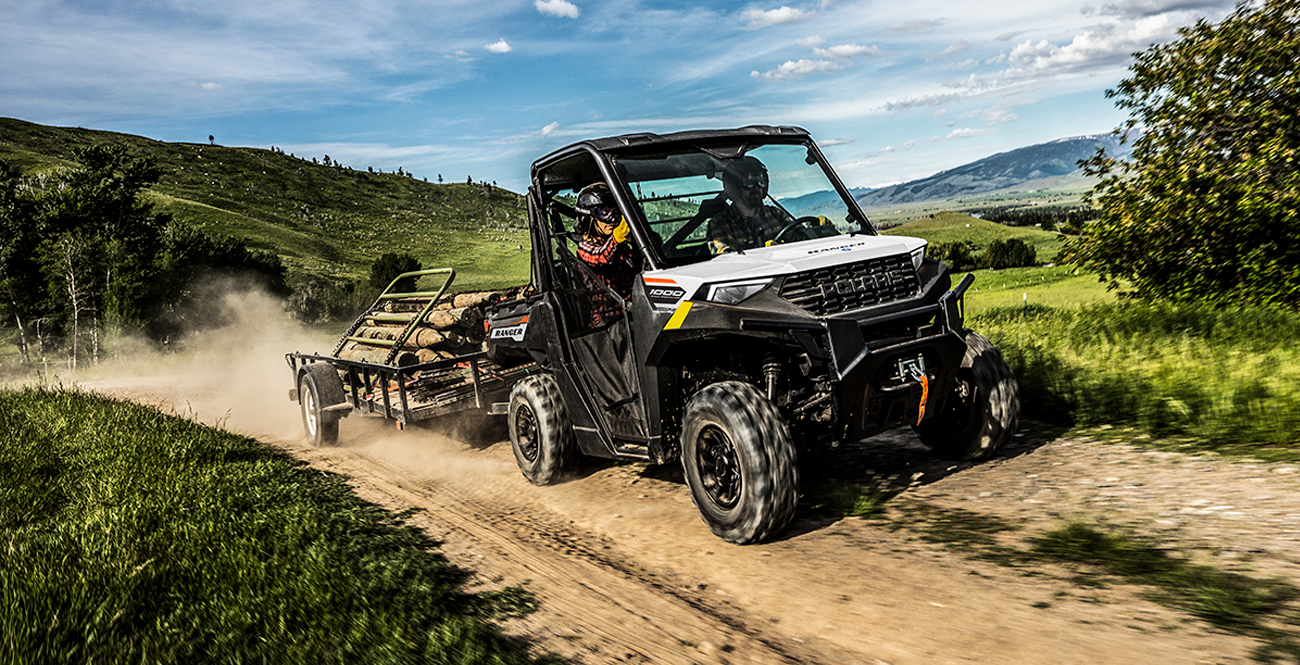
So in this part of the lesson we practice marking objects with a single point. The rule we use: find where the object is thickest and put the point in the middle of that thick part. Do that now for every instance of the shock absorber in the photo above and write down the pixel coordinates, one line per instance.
(771, 372)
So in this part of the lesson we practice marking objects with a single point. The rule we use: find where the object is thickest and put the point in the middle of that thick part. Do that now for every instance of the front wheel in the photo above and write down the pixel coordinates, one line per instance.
(739, 462)
(319, 387)
(983, 411)
(540, 432)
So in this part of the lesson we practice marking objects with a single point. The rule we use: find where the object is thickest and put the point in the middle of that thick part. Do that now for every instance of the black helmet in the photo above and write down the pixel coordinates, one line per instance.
(597, 201)
(748, 173)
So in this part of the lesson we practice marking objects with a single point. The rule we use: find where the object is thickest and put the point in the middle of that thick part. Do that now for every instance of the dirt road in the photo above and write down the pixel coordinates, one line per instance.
(625, 571)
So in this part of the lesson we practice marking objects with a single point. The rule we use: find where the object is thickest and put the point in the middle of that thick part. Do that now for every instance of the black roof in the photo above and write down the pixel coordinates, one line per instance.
(645, 139)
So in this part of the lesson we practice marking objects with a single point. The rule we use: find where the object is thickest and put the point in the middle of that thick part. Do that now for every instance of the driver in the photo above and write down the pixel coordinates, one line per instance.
(747, 222)
(604, 245)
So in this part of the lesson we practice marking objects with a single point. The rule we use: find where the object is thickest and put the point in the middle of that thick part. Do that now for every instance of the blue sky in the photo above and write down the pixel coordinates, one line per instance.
(479, 88)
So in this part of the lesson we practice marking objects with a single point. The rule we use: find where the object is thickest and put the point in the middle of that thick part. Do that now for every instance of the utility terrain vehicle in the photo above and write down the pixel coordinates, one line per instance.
(732, 362)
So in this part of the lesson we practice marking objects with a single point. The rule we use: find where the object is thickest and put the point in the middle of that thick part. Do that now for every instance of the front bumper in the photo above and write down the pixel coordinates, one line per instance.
(874, 359)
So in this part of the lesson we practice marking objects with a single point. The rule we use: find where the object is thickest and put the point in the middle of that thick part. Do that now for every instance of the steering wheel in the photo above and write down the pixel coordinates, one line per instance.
(793, 225)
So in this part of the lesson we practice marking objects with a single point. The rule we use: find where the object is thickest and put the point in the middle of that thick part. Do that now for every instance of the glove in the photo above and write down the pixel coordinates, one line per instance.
(621, 231)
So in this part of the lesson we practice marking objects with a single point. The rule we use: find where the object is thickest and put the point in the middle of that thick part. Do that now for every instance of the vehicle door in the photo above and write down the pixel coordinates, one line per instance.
(601, 372)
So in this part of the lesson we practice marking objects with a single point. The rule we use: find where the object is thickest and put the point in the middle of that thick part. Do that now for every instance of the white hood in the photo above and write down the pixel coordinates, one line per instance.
(774, 261)
(794, 257)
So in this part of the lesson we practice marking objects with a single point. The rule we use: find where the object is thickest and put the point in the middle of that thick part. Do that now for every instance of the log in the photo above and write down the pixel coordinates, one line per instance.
(378, 356)
(428, 337)
(379, 332)
(450, 318)
(430, 355)
(475, 299)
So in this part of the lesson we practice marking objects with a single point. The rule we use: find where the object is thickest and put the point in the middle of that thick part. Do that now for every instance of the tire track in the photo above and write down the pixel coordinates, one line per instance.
(621, 612)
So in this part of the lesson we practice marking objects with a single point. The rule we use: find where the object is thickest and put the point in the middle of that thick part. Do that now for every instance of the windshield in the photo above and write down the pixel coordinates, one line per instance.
(701, 202)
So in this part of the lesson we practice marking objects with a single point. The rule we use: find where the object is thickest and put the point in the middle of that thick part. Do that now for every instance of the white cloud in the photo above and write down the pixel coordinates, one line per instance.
(541, 133)
(966, 133)
(968, 63)
(1131, 9)
(559, 8)
(461, 56)
(758, 18)
(796, 69)
(909, 103)
(1106, 45)
(499, 46)
(993, 116)
(919, 25)
(828, 60)
(907, 145)
(846, 51)
(960, 46)
(810, 42)
(1103, 47)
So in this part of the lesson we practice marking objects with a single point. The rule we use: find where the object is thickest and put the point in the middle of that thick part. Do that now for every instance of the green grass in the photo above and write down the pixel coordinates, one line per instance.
(1054, 286)
(1226, 380)
(947, 227)
(128, 536)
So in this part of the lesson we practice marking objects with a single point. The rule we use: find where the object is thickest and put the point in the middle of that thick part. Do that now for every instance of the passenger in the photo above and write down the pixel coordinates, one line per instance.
(748, 222)
(605, 244)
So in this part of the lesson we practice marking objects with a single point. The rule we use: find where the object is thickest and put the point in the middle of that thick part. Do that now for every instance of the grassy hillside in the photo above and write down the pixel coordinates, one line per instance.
(327, 221)
(957, 227)
(1063, 191)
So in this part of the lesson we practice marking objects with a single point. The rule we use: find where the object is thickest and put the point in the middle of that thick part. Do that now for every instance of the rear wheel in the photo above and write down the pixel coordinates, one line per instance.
(540, 432)
(739, 462)
(319, 387)
(983, 411)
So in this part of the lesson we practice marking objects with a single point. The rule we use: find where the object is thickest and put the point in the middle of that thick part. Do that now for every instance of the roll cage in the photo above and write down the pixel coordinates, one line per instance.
(669, 227)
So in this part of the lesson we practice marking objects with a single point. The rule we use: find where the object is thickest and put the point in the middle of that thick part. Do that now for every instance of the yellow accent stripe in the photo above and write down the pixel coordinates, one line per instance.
(678, 316)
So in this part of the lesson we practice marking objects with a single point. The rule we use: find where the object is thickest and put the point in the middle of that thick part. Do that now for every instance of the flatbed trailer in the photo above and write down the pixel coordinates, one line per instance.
(386, 384)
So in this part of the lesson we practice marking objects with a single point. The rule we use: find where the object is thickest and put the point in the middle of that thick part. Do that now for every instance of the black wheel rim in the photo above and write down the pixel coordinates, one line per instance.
(526, 432)
(715, 457)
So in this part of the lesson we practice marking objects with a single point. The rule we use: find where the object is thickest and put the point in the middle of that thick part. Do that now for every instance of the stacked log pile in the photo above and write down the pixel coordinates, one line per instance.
(454, 327)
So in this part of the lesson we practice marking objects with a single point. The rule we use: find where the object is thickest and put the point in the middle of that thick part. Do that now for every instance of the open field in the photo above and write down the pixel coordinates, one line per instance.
(1065, 191)
(1055, 286)
(949, 227)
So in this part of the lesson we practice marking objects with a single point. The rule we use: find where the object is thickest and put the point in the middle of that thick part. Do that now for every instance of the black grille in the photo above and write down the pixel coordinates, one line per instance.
(851, 286)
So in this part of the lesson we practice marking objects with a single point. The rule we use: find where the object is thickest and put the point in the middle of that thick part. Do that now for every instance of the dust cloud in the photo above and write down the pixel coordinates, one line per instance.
(232, 376)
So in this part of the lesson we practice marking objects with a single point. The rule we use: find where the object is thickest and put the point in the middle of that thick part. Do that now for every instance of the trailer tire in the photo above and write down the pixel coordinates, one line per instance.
(740, 462)
(319, 387)
(983, 410)
(541, 434)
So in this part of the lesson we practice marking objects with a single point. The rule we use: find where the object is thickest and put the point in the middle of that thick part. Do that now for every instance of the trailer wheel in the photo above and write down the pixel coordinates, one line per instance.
(319, 387)
(981, 414)
(540, 432)
(739, 462)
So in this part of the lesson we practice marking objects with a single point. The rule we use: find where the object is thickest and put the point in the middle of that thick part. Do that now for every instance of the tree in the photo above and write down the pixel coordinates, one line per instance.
(387, 267)
(1009, 253)
(1208, 208)
(82, 252)
(957, 255)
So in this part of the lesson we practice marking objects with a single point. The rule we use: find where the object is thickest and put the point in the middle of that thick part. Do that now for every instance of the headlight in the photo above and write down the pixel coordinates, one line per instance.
(918, 255)
(734, 292)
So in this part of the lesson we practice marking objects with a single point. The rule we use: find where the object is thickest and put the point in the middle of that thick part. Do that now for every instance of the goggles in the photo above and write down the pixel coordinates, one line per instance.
(606, 213)
(753, 181)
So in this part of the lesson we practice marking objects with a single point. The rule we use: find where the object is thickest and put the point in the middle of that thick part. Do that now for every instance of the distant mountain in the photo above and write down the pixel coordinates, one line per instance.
(802, 205)
(1000, 171)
